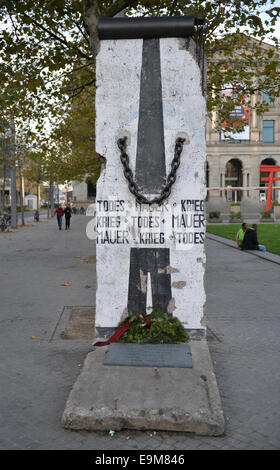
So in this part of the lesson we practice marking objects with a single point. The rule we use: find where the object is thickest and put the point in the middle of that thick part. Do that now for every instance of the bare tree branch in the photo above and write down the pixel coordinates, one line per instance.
(62, 40)
(64, 74)
(82, 32)
(14, 26)
(118, 6)
(81, 87)
(172, 8)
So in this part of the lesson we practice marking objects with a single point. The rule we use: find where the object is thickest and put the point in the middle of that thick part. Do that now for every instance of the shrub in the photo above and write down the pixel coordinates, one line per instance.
(235, 204)
(25, 208)
(266, 214)
(236, 215)
(214, 215)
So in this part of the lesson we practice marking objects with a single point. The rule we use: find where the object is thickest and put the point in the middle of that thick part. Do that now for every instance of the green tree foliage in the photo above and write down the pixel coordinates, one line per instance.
(47, 66)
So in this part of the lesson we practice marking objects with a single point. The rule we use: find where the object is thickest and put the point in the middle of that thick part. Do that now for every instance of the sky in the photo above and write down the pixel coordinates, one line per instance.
(277, 25)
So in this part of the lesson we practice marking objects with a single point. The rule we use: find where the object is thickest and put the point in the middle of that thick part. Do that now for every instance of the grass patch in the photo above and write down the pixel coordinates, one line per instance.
(268, 234)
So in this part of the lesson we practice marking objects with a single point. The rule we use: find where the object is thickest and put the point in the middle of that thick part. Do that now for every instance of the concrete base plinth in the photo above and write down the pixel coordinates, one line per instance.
(146, 398)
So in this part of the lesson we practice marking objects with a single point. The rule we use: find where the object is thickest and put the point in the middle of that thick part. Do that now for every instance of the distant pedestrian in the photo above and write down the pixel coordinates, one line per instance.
(240, 235)
(67, 213)
(59, 212)
(250, 241)
(36, 216)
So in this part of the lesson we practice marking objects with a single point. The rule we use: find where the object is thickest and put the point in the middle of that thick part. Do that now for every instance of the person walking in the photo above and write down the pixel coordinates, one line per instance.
(240, 235)
(250, 241)
(59, 212)
(67, 213)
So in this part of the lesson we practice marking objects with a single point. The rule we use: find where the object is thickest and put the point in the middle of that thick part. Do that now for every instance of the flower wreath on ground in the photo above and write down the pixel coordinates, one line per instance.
(156, 327)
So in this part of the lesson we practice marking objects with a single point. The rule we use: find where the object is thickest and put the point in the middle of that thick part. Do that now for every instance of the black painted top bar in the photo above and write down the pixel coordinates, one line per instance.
(147, 27)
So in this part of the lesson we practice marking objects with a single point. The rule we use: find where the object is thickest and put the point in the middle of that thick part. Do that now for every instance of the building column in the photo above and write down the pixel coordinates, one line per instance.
(214, 178)
(254, 131)
(246, 181)
(255, 180)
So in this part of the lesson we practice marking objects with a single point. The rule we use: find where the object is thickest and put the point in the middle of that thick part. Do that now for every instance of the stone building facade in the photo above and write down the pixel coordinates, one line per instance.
(236, 162)
(83, 193)
(233, 159)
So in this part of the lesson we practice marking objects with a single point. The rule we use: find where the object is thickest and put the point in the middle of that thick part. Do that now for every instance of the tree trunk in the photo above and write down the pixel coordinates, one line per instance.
(91, 13)
(38, 198)
(49, 200)
(52, 198)
(13, 177)
(13, 197)
(21, 178)
(3, 191)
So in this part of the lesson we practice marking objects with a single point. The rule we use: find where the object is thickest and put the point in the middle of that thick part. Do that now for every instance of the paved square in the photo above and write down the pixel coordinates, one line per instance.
(37, 373)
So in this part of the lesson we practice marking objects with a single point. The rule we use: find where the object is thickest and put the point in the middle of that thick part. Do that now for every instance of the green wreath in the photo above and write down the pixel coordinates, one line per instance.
(163, 329)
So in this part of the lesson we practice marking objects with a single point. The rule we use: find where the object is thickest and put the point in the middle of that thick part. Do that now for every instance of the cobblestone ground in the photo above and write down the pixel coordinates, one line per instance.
(38, 370)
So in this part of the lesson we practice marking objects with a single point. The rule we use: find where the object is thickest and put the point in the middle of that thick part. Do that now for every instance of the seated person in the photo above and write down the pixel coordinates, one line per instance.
(250, 241)
(240, 234)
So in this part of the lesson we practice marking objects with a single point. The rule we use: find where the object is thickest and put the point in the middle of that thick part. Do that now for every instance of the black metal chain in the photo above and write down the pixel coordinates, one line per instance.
(171, 178)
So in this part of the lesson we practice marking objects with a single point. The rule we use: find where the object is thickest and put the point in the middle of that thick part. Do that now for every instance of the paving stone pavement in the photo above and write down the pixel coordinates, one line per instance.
(38, 369)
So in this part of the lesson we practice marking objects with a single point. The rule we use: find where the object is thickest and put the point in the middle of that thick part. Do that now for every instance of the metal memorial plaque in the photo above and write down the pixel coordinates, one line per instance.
(148, 355)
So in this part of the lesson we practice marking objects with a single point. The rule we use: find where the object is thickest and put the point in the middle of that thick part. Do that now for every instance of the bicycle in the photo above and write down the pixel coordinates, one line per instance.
(5, 222)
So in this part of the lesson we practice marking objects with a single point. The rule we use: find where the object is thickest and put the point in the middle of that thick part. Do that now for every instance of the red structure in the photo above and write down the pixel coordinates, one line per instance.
(271, 170)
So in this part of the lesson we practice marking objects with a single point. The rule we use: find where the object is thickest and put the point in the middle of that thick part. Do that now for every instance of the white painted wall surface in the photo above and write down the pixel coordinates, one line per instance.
(184, 113)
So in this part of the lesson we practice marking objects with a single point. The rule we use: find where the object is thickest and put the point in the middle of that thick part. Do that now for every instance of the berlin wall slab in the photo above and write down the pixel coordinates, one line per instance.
(108, 397)
(149, 355)
(149, 228)
(149, 90)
